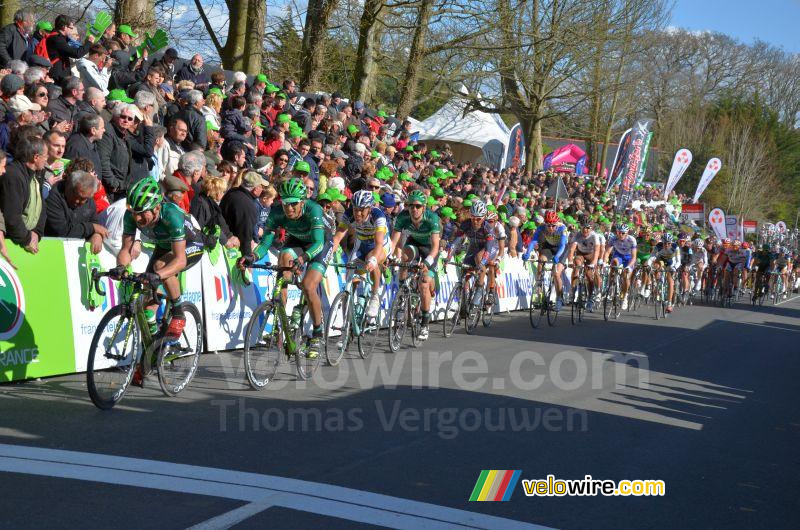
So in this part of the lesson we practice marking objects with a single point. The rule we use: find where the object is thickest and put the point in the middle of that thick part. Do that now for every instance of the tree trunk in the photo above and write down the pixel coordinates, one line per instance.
(7, 10)
(317, 17)
(532, 127)
(368, 38)
(408, 93)
(138, 14)
(232, 54)
(254, 44)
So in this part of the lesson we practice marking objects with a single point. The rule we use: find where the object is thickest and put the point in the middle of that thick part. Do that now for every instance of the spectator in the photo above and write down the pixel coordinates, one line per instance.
(234, 151)
(115, 150)
(124, 37)
(43, 29)
(65, 107)
(207, 212)
(191, 170)
(84, 142)
(152, 83)
(20, 199)
(93, 104)
(218, 82)
(14, 37)
(11, 85)
(167, 63)
(56, 143)
(171, 151)
(195, 121)
(174, 189)
(61, 52)
(71, 210)
(213, 107)
(34, 76)
(240, 210)
(94, 68)
(3, 248)
(193, 71)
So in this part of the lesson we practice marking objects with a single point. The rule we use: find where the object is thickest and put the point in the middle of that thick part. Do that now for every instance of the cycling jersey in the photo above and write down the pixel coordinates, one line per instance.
(685, 254)
(418, 235)
(306, 233)
(475, 238)
(552, 244)
(623, 246)
(375, 223)
(667, 253)
(737, 256)
(763, 259)
(644, 247)
(173, 225)
(586, 245)
(700, 257)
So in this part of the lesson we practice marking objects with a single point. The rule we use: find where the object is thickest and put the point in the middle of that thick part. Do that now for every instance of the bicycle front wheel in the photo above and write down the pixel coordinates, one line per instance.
(306, 360)
(537, 308)
(370, 327)
(263, 344)
(452, 312)
(337, 329)
(178, 360)
(398, 320)
(115, 349)
(488, 307)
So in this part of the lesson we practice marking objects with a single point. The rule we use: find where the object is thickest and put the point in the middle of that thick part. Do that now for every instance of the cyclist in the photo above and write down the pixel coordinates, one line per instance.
(584, 249)
(420, 228)
(685, 259)
(622, 251)
(735, 259)
(495, 250)
(306, 242)
(644, 247)
(762, 260)
(178, 246)
(550, 241)
(368, 223)
(477, 234)
(666, 258)
(780, 264)
(699, 261)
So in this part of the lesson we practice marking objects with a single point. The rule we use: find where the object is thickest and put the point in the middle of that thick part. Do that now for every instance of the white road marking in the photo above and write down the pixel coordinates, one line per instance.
(789, 300)
(233, 517)
(324, 499)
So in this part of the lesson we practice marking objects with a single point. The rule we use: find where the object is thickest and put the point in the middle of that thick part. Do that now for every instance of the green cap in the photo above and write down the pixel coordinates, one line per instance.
(417, 156)
(283, 118)
(450, 174)
(447, 212)
(491, 208)
(352, 129)
(261, 78)
(472, 196)
(119, 94)
(406, 177)
(302, 166)
(409, 149)
(435, 154)
(437, 192)
(217, 91)
(433, 181)
(271, 89)
(44, 25)
(126, 30)
(211, 126)
(467, 203)
(377, 197)
(530, 225)
(281, 95)
(513, 194)
(432, 201)
(382, 114)
(439, 173)
(259, 125)
(374, 154)
(416, 196)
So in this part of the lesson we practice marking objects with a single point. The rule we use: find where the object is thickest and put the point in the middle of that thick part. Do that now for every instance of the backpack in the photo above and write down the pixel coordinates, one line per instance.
(41, 48)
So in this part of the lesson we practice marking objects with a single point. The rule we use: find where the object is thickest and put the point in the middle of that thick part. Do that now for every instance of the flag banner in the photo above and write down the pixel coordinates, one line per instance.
(750, 227)
(619, 159)
(580, 166)
(732, 227)
(643, 168)
(780, 226)
(712, 168)
(716, 218)
(515, 154)
(630, 170)
(682, 160)
(693, 212)
(547, 161)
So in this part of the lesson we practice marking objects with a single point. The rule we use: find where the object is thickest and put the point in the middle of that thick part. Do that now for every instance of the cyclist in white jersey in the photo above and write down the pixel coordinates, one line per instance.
(372, 246)
(737, 259)
(585, 248)
(622, 251)
(699, 260)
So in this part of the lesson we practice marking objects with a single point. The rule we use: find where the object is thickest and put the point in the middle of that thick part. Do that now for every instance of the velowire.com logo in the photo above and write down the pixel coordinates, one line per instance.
(495, 485)
(12, 302)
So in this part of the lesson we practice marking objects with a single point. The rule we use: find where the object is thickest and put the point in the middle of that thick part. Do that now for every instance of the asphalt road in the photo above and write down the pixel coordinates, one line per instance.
(705, 401)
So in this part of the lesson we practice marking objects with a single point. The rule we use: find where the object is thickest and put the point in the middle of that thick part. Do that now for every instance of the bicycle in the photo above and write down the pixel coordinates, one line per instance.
(347, 317)
(462, 293)
(114, 358)
(612, 297)
(660, 293)
(542, 297)
(760, 287)
(270, 332)
(406, 309)
(776, 286)
(579, 294)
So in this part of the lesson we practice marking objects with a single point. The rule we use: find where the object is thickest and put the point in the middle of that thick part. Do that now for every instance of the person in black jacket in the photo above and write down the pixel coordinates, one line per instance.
(20, 198)
(71, 210)
(240, 210)
(207, 212)
(83, 142)
(195, 121)
(193, 71)
(115, 150)
(14, 37)
(60, 51)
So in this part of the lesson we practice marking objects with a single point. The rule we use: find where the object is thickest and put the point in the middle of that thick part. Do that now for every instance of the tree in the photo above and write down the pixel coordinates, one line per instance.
(318, 16)
(138, 14)
(369, 30)
(7, 10)
(243, 48)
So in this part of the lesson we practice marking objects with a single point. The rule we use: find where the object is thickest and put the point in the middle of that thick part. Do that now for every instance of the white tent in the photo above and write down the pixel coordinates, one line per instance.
(467, 134)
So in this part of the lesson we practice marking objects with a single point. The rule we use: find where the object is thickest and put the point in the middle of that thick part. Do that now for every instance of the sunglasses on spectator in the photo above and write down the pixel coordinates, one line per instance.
(42, 95)
(123, 117)
(284, 160)
(414, 206)
(374, 186)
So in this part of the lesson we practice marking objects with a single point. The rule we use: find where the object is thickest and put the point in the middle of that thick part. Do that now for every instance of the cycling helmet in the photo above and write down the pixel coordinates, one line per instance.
(416, 196)
(765, 247)
(302, 166)
(587, 223)
(698, 243)
(292, 190)
(363, 199)
(491, 216)
(745, 245)
(144, 195)
(726, 242)
(551, 217)
(737, 243)
(478, 209)
(683, 236)
(668, 237)
(623, 227)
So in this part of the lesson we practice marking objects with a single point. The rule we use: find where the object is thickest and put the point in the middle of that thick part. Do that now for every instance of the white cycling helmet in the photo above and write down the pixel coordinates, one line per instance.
(478, 209)
(363, 199)
(698, 243)
(668, 237)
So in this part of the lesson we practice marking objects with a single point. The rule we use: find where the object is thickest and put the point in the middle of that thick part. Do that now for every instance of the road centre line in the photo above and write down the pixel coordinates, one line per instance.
(324, 499)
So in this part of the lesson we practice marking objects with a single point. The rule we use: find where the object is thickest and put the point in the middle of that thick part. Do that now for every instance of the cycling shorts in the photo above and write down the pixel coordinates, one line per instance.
(419, 253)
(547, 251)
(365, 247)
(642, 258)
(731, 266)
(294, 247)
(194, 251)
(623, 259)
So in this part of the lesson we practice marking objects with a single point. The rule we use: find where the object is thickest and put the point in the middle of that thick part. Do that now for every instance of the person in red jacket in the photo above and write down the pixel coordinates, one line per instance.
(191, 170)
(59, 51)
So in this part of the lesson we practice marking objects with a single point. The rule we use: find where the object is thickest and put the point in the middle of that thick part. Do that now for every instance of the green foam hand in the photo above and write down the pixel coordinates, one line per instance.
(100, 24)
(153, 43)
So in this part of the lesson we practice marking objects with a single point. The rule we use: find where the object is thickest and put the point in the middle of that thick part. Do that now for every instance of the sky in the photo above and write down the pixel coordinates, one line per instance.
(773, 21)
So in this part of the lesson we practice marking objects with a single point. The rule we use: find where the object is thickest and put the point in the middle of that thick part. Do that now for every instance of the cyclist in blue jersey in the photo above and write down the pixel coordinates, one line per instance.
(621, 249)
(550, 241)
(368, 223)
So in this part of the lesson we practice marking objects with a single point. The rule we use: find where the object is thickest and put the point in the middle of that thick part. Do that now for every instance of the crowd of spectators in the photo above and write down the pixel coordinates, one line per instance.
(81, 125)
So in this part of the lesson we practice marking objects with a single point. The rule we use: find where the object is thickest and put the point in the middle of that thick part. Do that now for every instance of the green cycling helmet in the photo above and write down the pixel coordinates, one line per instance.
(145, 195)
(302, 166)
(416, 196)
(292, 190)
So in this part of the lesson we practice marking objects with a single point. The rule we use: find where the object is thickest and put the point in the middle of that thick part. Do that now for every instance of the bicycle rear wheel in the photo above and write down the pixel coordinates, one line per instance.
(608, 300)
(552, 314)
(579, 302)
(337, 329)
(115, 348)
(263, 345)
(177, 361)
(306, 364)
(398, 320)
(370, 327)
(488, 307)
(415, 322)
(452, 312)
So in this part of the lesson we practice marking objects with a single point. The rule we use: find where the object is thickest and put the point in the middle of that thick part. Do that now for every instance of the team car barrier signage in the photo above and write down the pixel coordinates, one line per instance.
(46, 323)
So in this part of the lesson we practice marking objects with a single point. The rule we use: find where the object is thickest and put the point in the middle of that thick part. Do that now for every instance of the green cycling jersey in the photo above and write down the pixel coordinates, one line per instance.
(309, 228)
(173, 225)
(418, 235)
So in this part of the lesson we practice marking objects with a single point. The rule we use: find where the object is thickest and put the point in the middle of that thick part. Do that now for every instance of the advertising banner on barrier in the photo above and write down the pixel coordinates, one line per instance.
(694, 212)
(35, 317)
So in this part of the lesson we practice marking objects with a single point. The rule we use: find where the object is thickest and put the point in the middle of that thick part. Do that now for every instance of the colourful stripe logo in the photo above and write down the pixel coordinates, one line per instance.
(495, 485)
